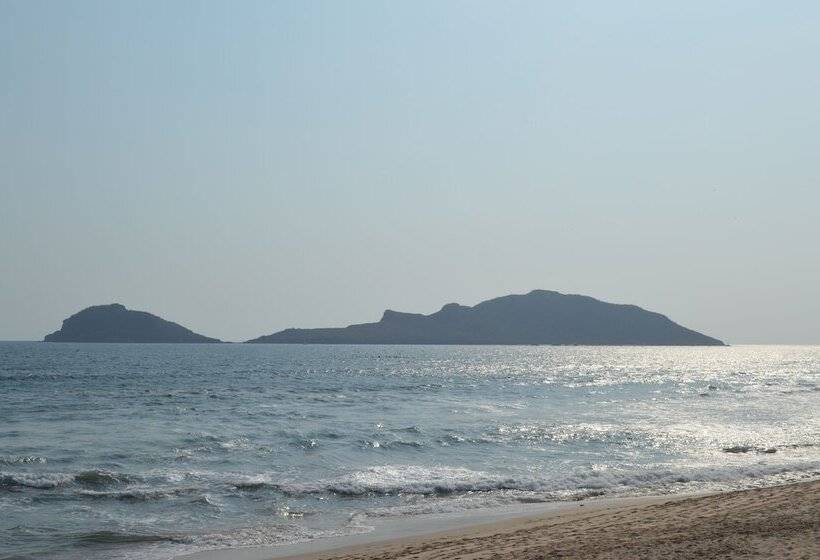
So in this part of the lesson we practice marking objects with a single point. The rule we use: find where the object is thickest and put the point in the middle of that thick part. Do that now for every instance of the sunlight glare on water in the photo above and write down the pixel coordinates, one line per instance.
(147, 451)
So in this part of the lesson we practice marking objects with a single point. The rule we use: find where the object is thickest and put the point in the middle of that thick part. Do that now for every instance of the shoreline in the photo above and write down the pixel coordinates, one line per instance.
(771, 522)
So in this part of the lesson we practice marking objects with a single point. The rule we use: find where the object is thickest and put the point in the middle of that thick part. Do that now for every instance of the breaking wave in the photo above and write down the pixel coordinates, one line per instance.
(22, 460)
(440, 480)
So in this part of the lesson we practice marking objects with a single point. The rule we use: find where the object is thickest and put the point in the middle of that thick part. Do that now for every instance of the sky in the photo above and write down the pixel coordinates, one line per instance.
(244, 167)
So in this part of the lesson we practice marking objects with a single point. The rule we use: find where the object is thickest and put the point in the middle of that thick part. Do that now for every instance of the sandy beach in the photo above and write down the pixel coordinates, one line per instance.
(775, 522)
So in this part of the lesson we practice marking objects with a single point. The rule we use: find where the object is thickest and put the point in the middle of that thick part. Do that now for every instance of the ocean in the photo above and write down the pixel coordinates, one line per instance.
(149, 451)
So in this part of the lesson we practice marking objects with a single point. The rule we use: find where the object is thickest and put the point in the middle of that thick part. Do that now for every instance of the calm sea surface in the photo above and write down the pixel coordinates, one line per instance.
(149, 451)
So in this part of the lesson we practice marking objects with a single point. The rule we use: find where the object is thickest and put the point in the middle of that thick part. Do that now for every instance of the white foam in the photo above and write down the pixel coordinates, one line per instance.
(444, 480)
(42, 481)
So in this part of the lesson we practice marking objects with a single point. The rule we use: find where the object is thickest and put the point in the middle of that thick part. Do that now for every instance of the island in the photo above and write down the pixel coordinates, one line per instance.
(115, 323)
(539, 317)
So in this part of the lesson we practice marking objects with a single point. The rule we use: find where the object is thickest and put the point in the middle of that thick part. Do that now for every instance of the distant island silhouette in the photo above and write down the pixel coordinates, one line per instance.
(115, 323)
(539, 317)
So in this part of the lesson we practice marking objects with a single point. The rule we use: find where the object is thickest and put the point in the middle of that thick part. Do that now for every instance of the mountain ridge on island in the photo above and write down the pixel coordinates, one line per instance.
(115, 323)
(539, 317)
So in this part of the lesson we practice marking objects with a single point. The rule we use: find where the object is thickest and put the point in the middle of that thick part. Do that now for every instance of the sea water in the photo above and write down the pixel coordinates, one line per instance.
(150, 451)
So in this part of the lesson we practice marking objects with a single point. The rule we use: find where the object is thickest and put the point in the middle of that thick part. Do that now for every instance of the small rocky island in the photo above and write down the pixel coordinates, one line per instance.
(539, 317)
(115, 323)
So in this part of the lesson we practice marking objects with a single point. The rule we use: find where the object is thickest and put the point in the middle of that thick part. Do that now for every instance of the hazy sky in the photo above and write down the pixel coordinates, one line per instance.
(243, 167)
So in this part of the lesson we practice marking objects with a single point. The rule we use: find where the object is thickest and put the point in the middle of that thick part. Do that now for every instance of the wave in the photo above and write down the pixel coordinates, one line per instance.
(22, 460)
(206, 500)
(383, 480)
(40, 481)
(409, 479)
(603, 484)
(408, 429)
(442, 481)
(115, 537)
(766, 450)
(390, 444)
(47, 481)
(102, 478)
(141, 494)
(253, 485)
(748, 448)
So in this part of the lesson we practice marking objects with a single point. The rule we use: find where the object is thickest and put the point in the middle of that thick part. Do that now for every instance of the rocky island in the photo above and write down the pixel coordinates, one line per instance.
(115, 323)
(539, 317)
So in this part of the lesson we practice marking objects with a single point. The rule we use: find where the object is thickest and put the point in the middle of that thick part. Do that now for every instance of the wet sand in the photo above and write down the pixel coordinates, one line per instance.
(781, 522)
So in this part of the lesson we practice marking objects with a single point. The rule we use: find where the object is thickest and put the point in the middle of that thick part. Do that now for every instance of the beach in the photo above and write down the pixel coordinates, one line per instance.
(249, 452)
(775, 522)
